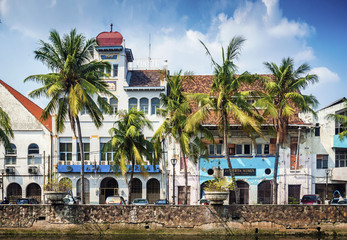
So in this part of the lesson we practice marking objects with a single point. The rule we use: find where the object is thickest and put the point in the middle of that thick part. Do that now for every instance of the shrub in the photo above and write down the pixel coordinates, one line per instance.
(219, 185)
(54, 184)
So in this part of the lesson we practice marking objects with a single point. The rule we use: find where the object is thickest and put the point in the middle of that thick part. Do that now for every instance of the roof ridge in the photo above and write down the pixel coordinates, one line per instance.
(33, 108)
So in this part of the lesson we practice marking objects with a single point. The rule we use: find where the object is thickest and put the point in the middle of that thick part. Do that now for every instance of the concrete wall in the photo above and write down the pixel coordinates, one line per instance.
(232, 219)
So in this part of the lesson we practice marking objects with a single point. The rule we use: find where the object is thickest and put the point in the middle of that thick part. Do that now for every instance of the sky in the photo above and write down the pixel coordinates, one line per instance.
(309, 31)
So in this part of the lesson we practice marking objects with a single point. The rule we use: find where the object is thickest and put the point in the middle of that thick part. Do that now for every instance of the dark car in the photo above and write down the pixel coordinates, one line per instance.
(311, 199)
(140, 201)
(27, 201)
(162, 202)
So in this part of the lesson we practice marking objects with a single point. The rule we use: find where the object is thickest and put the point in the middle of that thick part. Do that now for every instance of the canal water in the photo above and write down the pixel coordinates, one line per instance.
(165, 237)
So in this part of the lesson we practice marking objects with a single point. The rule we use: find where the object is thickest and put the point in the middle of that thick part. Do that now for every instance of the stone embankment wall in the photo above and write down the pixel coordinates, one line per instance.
(233, 219)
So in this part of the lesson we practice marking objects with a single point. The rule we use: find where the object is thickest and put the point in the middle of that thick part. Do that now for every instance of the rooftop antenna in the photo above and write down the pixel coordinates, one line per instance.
(149, 53)
(111, 26)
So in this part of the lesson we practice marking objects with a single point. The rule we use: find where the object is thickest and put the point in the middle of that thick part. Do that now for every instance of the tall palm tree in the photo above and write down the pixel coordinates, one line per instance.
(284, 98)
(176, 110)
(5, 129)
(129, 144)
(226, 100)
(73, 85)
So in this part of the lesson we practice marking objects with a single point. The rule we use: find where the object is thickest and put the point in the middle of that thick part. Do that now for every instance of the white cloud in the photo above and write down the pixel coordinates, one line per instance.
(269, 37)
(325, 75)
(3, 7)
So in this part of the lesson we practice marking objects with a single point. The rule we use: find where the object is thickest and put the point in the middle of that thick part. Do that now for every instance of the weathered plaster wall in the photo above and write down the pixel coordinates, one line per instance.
(241, 219)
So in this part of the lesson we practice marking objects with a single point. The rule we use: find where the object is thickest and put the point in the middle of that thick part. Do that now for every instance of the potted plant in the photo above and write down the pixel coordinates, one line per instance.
(56, 190)
(217, 190)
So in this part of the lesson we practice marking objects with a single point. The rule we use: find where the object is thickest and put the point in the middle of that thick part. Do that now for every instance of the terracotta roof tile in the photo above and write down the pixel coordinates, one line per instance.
(32, 107)
(145, 78)
(203, 83)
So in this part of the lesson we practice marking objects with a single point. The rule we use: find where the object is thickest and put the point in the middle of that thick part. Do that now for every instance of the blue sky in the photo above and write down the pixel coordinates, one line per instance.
(312, 31)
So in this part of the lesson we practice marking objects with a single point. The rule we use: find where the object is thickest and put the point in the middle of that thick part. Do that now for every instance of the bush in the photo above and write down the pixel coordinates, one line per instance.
(219, 185)
(54, 184)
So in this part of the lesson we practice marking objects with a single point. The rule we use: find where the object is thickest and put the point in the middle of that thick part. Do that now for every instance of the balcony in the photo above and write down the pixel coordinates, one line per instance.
(338, 143)
(339, 174)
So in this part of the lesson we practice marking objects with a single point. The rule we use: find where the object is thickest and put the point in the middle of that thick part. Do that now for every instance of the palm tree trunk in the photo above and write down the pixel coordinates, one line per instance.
(80, 142)
(225, 140)
(277, 156)
(130, 185)
(185, 178)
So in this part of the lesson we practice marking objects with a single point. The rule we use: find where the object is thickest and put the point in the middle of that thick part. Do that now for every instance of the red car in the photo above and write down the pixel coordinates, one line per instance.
(311, 199)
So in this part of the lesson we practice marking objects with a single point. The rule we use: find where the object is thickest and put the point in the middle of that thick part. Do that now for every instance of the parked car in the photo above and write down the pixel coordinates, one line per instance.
(204, 202)
(115, 200)
(311, 199)
(70, 200)
(140, 201)
(27, 201)
(338, 201)
(162, 202)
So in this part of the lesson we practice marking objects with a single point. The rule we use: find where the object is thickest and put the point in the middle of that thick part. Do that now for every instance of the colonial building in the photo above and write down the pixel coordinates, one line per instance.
(329, 153)
(21, 166)
(253, 163)
(132, 88)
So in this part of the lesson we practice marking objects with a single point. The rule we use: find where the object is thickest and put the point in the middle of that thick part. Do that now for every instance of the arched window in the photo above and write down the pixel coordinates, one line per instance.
(86, 190)
(33, 154)
(11, 155)
(144, 105)
(154, 105)
(132, 103)
(136, 189)
(114, 105)
(153, 190)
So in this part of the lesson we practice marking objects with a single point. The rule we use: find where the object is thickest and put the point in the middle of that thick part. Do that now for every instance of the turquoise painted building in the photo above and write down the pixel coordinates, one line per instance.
(253, 176)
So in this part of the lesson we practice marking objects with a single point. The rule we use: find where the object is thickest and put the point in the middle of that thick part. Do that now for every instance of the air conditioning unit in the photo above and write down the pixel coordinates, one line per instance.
(61, 162)
(10, 170)
(69, 168)
(103, 162)
(68, 162)
(86, 163)
(33, 170)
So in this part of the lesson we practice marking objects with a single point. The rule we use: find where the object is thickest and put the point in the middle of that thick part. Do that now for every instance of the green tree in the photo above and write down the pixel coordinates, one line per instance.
(340, 119)
(5, 129)
(226, 100)
(283, 99)
(130, 145)
(73, 85)
(176, 110)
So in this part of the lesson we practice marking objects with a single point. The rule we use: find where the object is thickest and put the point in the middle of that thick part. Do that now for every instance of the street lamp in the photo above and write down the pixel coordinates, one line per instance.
(173, 162)
(327, 171)
(2, 183)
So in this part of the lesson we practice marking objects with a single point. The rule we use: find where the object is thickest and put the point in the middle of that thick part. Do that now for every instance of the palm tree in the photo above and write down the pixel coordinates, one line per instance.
(342, 120)
(5, 129)
(284, 98)
(176, 110)
(129, 144)
(226, 100)
(73, 85)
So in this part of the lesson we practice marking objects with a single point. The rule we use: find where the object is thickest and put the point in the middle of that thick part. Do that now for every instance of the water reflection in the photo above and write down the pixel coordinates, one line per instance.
(164, 237)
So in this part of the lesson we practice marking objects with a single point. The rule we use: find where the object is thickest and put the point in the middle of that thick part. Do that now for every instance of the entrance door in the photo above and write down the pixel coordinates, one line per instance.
(108, 187)
(34, 191)
(181, 191)
(294, 194)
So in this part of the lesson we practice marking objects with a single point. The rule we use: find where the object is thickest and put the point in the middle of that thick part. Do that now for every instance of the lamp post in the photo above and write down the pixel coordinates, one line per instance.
(327, 171)
(2, 184)
(173, 162)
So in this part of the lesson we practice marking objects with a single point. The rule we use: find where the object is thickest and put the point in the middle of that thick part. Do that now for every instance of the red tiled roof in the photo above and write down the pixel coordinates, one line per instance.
(145, 78)
(32, 107)
(109, 39)
(203, 83)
